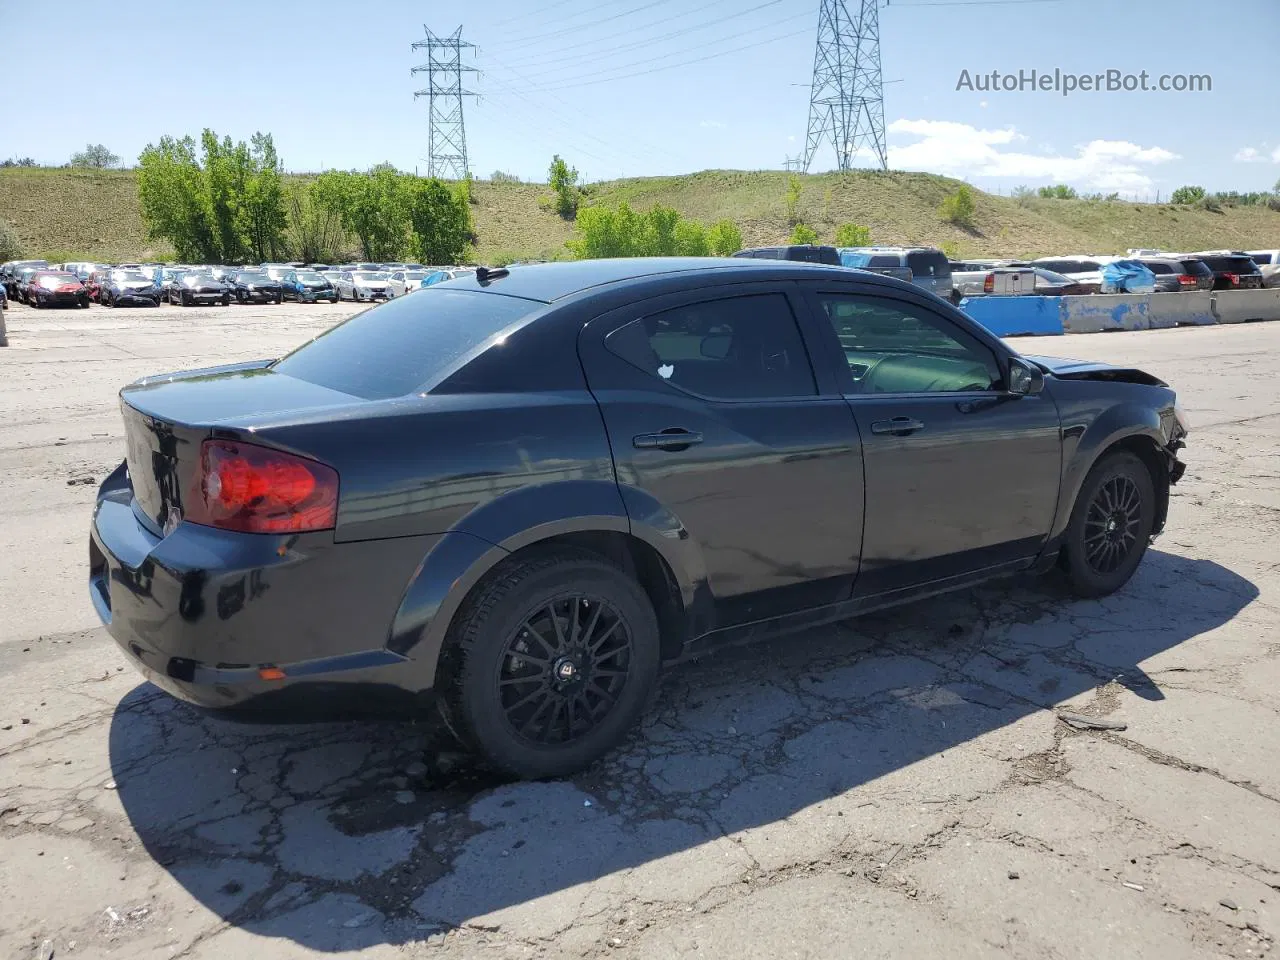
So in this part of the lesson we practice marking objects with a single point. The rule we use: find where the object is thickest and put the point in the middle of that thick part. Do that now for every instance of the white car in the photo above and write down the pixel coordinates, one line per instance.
(361, 285)
(405, 281)
(1082, 268)
(1268, 262)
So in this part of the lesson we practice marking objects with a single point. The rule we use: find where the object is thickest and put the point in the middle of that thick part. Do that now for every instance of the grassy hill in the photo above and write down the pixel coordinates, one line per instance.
(80, 214)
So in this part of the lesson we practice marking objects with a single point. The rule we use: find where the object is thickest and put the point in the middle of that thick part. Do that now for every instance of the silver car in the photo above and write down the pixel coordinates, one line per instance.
(1268, 262)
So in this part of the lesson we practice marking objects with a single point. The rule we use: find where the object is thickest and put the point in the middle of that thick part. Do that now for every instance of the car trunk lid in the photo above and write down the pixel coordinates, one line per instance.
(167, 418)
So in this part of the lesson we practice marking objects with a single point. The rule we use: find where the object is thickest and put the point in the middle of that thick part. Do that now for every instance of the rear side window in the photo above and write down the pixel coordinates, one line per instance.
(928, 263)
(405, 344)
(1231, 264)
(740, 348)
(1197, 268)
(1156, 266)
(1261, 259)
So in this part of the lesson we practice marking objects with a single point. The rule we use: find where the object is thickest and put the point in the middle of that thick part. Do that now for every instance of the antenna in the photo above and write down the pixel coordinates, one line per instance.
(846, 98)
(447, 134)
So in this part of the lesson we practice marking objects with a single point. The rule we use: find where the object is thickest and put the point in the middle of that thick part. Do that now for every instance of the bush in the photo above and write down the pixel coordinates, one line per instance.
(959, 208)
(1187, 195)
(1212, 204)
(853, 235)
(1059, 192)
(564, 181)
(659, 232)
(1023, 196)
(498, 176)
(10, 246)
(803, 233)
(725, 238)
(792, 199)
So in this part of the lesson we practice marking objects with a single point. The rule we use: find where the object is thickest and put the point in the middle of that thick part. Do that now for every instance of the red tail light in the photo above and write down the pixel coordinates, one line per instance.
(1186, 280)
(1232, 278)
(989, 283)
(255, 489)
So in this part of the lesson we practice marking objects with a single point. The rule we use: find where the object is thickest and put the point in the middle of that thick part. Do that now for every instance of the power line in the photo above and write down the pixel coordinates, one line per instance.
(539, 59)
(538, 38)
(675, 53)
(969, 3)
(674, 66)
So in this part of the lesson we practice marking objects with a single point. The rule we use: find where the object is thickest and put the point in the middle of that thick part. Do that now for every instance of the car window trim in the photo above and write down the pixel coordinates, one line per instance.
(840, 366)
(599, 327)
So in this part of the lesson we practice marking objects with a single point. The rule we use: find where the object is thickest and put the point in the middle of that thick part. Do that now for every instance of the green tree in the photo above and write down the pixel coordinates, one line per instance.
(223, 205)
(371, 207)
(174, 197)
(725, 238)
(959, 208)
(499, 176)
(439, 220)
(95, 155)
(10, 245)
(1188, 195)
(1023, 195)
(564, 181)
(803, 233)
(853, 235)
(792, 199)
(314, 234)
(1059, 192)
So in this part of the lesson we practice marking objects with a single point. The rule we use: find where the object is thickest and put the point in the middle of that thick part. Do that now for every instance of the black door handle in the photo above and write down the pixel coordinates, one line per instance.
(898, 426)
(673, 438)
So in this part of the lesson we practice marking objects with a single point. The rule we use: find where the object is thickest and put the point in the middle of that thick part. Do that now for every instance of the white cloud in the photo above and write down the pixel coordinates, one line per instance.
(711, 125)
(982, 104)
(945, 146)
(1254, 155)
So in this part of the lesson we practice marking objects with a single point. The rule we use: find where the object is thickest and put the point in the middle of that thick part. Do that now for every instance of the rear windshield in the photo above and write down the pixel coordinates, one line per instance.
(1196, 268)
(399, 347)
(1231, 264)
(1157, 266)
(928, 263)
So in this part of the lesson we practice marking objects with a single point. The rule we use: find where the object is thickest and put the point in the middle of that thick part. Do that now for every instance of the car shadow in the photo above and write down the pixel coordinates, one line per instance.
(342, 836)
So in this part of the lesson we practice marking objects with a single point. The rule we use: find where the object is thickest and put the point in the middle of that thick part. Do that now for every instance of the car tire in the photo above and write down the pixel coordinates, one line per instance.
(484, 700)
(226, 300)
(279, 298)
(1110, 525)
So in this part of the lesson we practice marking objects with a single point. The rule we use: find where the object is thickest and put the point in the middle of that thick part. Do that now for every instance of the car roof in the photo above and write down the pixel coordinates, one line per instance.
(549, 282)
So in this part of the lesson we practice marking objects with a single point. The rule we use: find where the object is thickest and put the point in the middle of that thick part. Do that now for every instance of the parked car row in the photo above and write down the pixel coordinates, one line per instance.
(1070, 275)
(39, 283)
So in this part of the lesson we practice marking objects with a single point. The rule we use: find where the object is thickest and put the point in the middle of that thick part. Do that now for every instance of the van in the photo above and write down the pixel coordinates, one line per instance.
(928, 266)
(805, 253)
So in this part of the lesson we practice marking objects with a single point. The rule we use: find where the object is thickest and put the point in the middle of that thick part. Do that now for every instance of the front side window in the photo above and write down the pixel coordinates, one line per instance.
(897, 347)
(740, 348)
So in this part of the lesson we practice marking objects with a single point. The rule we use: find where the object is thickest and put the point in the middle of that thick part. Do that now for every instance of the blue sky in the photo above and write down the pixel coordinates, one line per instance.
(333, 85)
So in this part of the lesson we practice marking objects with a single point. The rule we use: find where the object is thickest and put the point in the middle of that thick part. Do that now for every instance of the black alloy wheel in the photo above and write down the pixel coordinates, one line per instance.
(549, 662)
(564, 668)
(1110, 525)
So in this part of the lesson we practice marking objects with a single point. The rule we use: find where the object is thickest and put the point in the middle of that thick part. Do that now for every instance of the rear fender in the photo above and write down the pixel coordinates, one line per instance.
(521, 519)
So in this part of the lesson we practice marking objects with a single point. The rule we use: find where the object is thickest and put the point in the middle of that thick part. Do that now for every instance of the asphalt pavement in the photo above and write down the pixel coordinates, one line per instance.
(899, 785)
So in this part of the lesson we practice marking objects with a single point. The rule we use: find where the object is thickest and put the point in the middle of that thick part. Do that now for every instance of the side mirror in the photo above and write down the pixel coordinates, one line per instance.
(1025, 378)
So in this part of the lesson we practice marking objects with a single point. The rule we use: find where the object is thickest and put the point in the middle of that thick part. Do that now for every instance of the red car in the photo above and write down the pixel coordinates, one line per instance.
(50, 288)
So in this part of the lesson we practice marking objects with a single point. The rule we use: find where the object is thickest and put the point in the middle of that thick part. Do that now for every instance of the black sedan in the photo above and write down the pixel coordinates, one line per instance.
(253, 287)
(308, 286)
(191, 288)
(518, 493)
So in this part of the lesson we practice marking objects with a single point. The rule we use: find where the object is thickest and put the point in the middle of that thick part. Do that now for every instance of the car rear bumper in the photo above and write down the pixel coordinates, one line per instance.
(201, 613)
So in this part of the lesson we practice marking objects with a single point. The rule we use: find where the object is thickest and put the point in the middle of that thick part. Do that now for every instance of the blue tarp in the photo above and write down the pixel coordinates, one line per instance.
(1127, 276)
